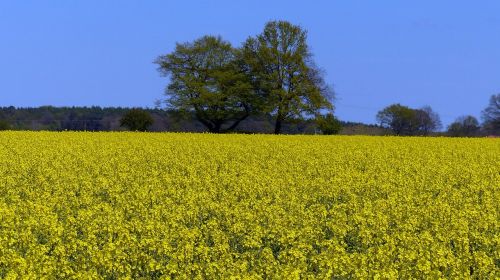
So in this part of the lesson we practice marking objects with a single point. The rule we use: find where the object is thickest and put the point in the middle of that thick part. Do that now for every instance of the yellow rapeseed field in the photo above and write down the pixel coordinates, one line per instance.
(200, 206)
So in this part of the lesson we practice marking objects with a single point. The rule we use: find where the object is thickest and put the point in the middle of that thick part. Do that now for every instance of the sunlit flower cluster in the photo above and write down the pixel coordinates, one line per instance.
(201, 206)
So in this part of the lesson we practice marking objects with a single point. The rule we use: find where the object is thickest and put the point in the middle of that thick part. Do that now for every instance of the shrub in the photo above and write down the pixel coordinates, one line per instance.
(328, 124)
(137, 120)
(4, 125)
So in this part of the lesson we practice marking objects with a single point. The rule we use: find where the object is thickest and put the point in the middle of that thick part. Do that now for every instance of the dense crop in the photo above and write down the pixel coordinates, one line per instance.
(118, 205)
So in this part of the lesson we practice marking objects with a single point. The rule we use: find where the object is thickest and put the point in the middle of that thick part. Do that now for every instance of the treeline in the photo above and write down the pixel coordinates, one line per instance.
(90, 119)
(403, 120)
(395, 119)
(111, 119)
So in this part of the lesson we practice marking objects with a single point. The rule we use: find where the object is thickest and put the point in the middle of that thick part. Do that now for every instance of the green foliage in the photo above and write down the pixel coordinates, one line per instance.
(205, 77)
(282, 71)
(272, 73)
(328, 124)
(491, 116)
(403, 120)
(4, 125)
(137, 120)
(465, 126)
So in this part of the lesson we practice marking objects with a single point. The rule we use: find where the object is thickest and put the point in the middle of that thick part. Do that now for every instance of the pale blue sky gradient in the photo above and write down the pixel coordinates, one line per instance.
(445, 54)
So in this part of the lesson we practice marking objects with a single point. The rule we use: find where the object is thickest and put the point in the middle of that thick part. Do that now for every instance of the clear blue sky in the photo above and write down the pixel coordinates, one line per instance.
(445, 54)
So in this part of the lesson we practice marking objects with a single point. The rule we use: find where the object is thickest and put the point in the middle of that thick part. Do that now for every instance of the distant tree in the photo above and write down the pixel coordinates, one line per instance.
(465, 126)
(491, 116)
(281, 69)
(4, 125)
(206, 78)
(328, 124)
(428, 120)
(403, 120)
(137, 120)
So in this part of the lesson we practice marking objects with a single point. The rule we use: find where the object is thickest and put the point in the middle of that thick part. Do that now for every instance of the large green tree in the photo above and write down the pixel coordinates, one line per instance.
(206, 78)
(280, 66)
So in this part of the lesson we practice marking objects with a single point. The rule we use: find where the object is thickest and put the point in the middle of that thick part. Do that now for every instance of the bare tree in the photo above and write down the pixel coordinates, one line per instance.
(491, 115)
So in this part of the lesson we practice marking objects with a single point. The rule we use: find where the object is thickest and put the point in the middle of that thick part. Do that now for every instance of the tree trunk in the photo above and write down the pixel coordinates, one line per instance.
(215, 129)
(277, 126)
(213, 126)
(237, 122)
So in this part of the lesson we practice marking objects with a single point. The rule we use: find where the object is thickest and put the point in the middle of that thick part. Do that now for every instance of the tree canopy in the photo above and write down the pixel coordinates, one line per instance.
(280, 66)
(205, 77)
(403, 120)
(464, 126)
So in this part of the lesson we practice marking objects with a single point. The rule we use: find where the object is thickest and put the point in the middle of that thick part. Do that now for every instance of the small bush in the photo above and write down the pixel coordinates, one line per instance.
(4, 125)
(137, 120)
(328, 124)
